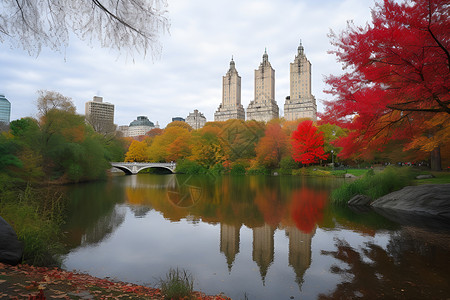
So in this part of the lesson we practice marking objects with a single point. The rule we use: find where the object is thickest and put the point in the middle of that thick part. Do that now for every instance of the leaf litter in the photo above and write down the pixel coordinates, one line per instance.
(39, 283)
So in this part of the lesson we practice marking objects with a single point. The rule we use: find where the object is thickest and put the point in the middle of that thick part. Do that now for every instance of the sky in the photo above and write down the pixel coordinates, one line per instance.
(195, 55)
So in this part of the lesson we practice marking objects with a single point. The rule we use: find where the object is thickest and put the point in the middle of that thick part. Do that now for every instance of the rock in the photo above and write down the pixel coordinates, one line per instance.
(424, 176)
(11, 248)
(348, 175)
(359, 200)
(275, 173)
(427, 199)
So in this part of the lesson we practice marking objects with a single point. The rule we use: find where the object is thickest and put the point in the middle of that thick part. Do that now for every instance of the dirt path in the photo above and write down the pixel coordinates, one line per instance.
(29, 282)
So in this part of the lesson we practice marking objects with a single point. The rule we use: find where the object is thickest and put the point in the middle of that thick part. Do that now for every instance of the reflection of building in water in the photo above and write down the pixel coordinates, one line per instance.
(299, 252)
(104, 226)
(229, 242)
(263, 248)
(140, 211)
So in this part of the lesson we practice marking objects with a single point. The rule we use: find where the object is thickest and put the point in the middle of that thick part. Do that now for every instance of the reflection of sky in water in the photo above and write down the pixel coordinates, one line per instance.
(142, 249)
(228, 246)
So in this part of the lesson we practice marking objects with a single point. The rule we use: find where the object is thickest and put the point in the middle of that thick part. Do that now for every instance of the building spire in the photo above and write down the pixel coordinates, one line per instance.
(300, 48)
(265, 56)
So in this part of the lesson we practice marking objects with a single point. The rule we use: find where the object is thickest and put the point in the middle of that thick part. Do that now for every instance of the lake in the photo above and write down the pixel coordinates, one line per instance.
(253, 237)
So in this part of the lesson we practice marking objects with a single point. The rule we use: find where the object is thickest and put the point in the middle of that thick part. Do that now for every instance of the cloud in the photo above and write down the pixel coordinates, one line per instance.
(195, 55)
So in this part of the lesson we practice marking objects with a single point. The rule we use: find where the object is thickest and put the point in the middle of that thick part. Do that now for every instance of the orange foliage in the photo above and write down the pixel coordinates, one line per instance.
(171, 145)
(273, 146)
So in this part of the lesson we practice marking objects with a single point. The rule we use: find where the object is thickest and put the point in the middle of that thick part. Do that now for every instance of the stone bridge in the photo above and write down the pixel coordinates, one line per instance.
(131, 168)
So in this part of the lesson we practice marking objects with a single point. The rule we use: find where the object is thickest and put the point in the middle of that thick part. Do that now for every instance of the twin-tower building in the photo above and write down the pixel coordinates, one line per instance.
(299, 104)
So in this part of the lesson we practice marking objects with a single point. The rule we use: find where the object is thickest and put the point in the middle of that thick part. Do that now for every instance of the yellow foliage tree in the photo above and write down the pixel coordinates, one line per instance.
(138, 152)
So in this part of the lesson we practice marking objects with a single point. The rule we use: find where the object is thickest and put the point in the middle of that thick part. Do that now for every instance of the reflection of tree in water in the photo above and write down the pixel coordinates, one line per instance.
(409, 269)
(104, 226)
(307, 208)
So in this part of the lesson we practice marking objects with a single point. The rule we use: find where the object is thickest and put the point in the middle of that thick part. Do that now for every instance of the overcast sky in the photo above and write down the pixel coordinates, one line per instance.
(187, 75)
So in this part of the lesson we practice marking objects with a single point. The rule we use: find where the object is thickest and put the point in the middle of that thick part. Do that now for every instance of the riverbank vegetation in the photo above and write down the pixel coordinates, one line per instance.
(36, 216)
(178, 284)
(374, 185)
(56, 148)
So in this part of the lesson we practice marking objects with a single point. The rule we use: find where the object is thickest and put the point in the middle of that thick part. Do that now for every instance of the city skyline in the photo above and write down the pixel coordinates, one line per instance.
(188, 73)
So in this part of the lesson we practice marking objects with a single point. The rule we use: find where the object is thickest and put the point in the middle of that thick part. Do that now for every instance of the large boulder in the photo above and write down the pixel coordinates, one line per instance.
(11, 248)
(427, 199)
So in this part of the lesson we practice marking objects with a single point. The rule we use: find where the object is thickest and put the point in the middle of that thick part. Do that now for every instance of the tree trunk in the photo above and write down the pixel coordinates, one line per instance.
(435, 159)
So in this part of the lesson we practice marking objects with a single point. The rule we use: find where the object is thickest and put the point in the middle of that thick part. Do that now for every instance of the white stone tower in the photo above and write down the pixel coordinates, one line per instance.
(264, 107)
(301, 103)
(231, 107)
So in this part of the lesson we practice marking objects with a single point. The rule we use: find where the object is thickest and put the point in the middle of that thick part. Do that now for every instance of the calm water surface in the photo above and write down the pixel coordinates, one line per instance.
(253, 237)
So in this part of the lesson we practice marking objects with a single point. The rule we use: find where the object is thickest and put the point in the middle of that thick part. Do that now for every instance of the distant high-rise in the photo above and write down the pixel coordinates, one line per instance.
(137, 127)
(100, 115)
(196, 119)
(301, 103)
(5, 109)
(180, 119)
(264, 107)
(231, 107)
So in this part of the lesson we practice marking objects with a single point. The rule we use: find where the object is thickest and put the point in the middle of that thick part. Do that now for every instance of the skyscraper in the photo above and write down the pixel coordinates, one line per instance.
(264, 107)
(100, 115)
(5, 109)
(231, 107)
(301, 103)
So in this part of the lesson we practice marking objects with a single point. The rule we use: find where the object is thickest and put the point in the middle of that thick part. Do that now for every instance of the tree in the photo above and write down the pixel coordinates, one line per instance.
(272, 146)
(179, 124)
(51, 100)
(165, 146)
(138, 152)
(331, 133)
(398, 77)
(133, 25)
(207, 148)
(240, 138)
(307, 144)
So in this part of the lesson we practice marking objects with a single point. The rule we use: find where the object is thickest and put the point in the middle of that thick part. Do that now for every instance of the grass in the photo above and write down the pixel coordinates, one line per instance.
(36, 216)
(374, 185)
(178, 284)
(439, 178)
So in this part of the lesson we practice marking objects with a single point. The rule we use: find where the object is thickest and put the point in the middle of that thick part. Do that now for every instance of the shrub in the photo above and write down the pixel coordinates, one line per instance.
(186, 166)
(178, 284)
(217, 169)
(258, 170)
(374, 185)
(237, 169)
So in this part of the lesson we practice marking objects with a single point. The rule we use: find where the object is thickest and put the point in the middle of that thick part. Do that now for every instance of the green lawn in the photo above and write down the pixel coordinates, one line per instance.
(357, 172)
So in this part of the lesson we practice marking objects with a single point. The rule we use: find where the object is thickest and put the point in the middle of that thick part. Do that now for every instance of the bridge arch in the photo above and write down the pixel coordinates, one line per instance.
(130, 168)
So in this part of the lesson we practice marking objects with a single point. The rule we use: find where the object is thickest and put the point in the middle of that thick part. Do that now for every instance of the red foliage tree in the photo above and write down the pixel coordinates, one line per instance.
(398, 76)
(307, 144)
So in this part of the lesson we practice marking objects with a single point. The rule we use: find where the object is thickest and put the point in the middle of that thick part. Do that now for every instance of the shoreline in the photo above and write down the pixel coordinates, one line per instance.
(29, 282)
